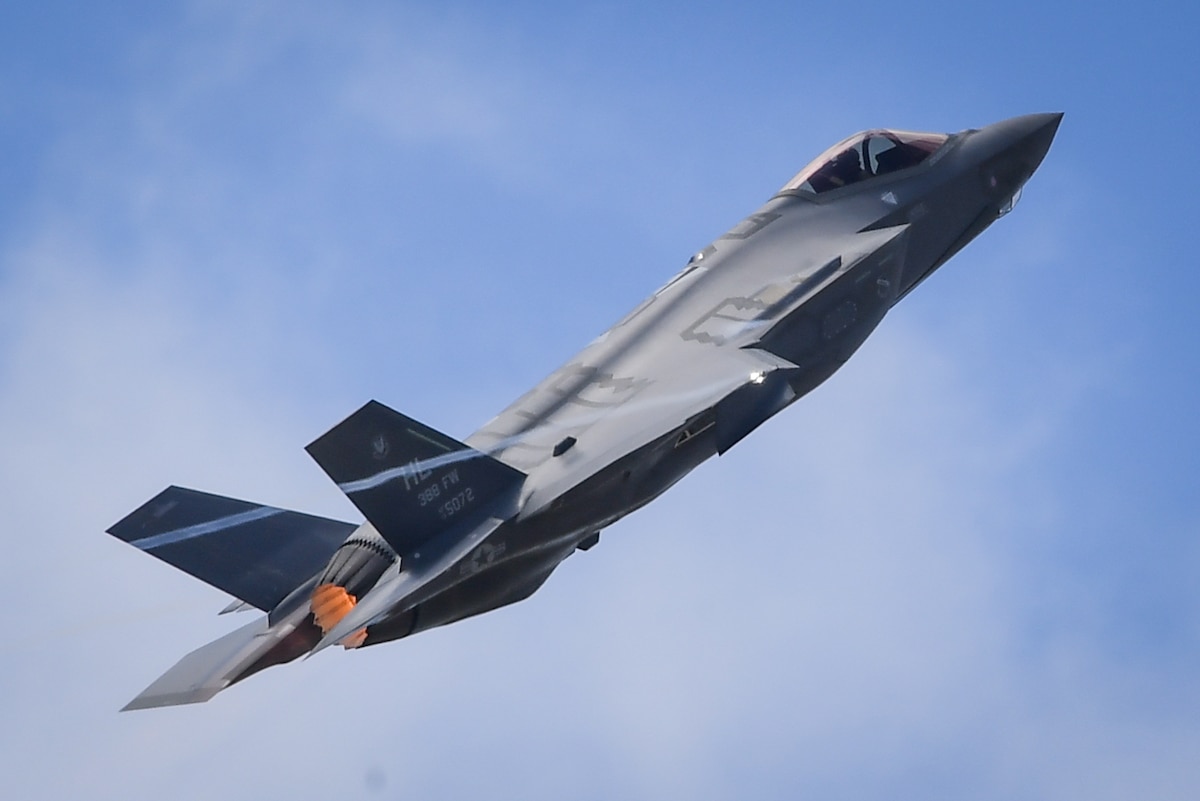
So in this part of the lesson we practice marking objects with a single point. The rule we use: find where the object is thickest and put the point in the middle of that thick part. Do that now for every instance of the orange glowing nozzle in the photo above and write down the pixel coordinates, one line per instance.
(330, 603)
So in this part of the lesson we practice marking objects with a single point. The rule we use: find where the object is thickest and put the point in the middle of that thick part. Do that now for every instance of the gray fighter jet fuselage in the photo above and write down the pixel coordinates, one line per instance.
(755, 320)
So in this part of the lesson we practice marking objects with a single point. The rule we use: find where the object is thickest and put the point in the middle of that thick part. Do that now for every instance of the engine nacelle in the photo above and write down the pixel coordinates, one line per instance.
(352, 571)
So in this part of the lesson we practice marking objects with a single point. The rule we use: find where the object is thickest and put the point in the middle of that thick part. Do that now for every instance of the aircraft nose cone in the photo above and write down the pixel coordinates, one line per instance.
(1032, 135)
(1018, 146)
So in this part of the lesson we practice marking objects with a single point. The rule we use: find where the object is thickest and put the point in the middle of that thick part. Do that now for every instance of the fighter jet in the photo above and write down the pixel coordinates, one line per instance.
(755, 320)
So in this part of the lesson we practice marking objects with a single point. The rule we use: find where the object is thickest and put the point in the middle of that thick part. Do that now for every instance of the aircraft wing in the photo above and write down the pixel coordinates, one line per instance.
(701, 345)
(739, 389)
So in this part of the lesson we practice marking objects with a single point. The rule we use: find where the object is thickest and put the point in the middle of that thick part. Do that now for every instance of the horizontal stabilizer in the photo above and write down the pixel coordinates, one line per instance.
(204, 672)
(410, 481)
(211, 668)
(256, 553)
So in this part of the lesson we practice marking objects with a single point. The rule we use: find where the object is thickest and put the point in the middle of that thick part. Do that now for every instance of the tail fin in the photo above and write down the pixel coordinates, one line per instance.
(410, 481)
(256, 553)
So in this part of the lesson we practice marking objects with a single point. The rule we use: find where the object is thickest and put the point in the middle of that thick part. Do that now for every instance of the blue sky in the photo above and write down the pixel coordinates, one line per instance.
(965, 567)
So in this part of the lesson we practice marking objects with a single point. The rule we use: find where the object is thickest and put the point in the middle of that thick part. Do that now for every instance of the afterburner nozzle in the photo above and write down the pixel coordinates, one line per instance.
(330, 604)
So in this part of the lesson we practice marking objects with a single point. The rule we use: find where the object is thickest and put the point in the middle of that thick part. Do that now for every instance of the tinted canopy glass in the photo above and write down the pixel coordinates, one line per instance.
(864, 156)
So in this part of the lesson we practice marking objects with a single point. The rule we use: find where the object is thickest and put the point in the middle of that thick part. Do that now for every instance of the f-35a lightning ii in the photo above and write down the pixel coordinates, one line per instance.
(754, 321)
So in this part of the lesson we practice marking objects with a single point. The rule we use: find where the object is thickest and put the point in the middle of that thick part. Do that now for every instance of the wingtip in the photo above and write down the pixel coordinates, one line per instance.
(152, 700)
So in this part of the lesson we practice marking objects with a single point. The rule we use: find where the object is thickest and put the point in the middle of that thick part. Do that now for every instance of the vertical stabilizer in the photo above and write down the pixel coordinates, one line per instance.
(410, 481)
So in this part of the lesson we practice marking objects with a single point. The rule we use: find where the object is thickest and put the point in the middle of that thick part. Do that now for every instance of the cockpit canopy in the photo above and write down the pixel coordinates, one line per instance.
(865, 155)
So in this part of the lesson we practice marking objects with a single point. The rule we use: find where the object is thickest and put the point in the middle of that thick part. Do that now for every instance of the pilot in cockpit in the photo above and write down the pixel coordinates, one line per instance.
(846, 168)
(865, 155)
